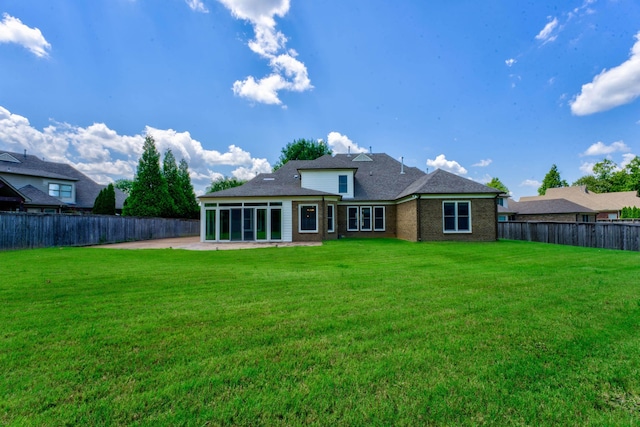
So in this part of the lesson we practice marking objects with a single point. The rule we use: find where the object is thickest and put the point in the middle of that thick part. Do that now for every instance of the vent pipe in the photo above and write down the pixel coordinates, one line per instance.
(25, 153)
(402, 165)
(349, 151)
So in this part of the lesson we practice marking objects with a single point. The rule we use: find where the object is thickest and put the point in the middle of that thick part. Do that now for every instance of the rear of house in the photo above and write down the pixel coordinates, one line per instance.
(341, 196)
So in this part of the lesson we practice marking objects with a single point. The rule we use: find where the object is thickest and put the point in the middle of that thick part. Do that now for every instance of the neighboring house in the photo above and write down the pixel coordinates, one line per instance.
(606, 205)
(28, 183)
(364, 195)
(558, 210)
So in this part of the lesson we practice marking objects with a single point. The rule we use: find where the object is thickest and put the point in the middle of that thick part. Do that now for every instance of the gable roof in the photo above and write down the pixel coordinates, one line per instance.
(596, 201)
(29, 165)
(443, 182)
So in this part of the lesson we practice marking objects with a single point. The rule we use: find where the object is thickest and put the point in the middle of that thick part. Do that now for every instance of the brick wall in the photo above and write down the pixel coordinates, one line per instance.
(483, 221)
(407, 221)
(322, 223)
(567, 217)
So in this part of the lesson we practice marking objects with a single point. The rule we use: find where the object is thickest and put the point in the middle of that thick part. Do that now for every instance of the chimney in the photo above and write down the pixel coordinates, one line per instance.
(402, 165)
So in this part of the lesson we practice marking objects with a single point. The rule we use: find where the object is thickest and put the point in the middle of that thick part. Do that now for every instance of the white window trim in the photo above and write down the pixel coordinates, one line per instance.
(300, 230)
(384, 218)
(456, 231)
(333, 219)
(362, 218)
(357, 208)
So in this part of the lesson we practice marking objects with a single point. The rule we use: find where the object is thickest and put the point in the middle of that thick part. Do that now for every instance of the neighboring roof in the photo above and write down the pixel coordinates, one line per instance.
(377, 177)
(549, 206)
(596, 201)
(37, 197)
(86, 189)
(443, 182)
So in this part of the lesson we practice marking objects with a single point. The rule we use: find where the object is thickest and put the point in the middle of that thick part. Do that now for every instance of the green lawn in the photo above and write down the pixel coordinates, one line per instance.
(355, 332)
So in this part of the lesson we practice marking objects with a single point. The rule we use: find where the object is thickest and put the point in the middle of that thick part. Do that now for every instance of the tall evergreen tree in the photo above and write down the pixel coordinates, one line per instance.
(191, 208)
(149, 193)
(552, 180)
(105, 203)
(170, 173)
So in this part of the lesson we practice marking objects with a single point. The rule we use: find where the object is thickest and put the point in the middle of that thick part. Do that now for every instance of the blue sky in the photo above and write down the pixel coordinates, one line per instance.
(483, 89)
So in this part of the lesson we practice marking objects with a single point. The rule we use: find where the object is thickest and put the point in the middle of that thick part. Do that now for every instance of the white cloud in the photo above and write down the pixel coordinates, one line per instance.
(288, 73)
(599, 148)
(12, 30)
(611, 88)
(587, 167)
(510, 62)
(483, 163)
(257, 166)
(341, 144)
(105, 156)
(441, 162)
(197, 6)
(530, 183)
(546, 34)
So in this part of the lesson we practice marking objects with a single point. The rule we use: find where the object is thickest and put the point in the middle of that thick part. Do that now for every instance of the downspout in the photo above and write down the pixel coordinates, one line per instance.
(419, 219)
(495, 218)
(322, 218)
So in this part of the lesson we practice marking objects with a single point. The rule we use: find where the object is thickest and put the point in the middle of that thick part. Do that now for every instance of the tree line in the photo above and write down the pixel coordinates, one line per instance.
(155, 191)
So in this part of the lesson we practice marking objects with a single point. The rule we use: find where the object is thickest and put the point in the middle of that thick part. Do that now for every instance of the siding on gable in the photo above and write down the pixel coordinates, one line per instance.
(327, 181)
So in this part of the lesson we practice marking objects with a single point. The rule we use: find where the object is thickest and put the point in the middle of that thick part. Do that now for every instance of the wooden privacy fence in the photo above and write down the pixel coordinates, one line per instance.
(27, 230)
(604, 235)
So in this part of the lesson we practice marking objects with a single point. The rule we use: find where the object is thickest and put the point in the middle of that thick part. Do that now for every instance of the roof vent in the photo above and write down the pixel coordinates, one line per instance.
(362, 158)
(349, 151)
(268, 179)
(402, 165)
(6, 157)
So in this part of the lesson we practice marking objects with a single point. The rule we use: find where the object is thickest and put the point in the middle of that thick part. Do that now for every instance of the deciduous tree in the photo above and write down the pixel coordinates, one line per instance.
(302, 149)
(498, 185)
(224, 183)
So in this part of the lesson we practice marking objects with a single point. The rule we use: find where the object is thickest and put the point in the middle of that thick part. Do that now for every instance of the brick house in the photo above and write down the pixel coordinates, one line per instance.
(341, 196)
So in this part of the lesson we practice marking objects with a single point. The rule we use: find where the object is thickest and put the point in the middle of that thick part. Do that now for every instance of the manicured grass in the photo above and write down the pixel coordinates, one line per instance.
(354, 332)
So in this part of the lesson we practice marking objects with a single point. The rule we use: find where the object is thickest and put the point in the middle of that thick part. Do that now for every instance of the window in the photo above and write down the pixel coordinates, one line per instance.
(352, 218)
(62, 191)
(585, 218)
(276, 224)
(210, 233)
(330, 220)
(378, 218)
(456, 217)
(342, 184)
(365, 218)
(308, 218)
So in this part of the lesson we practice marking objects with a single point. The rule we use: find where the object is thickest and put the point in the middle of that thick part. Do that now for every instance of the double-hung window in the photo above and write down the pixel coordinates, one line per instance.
(378, 218)
(456, 217)
(342, 184)
(330, 219)
(365, 218)
(62, 191)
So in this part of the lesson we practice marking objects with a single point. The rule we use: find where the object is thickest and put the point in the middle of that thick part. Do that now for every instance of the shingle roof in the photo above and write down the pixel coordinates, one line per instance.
(443, 182)
(378, 177)
(596, 201)
(37, 197)
(548, 206)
